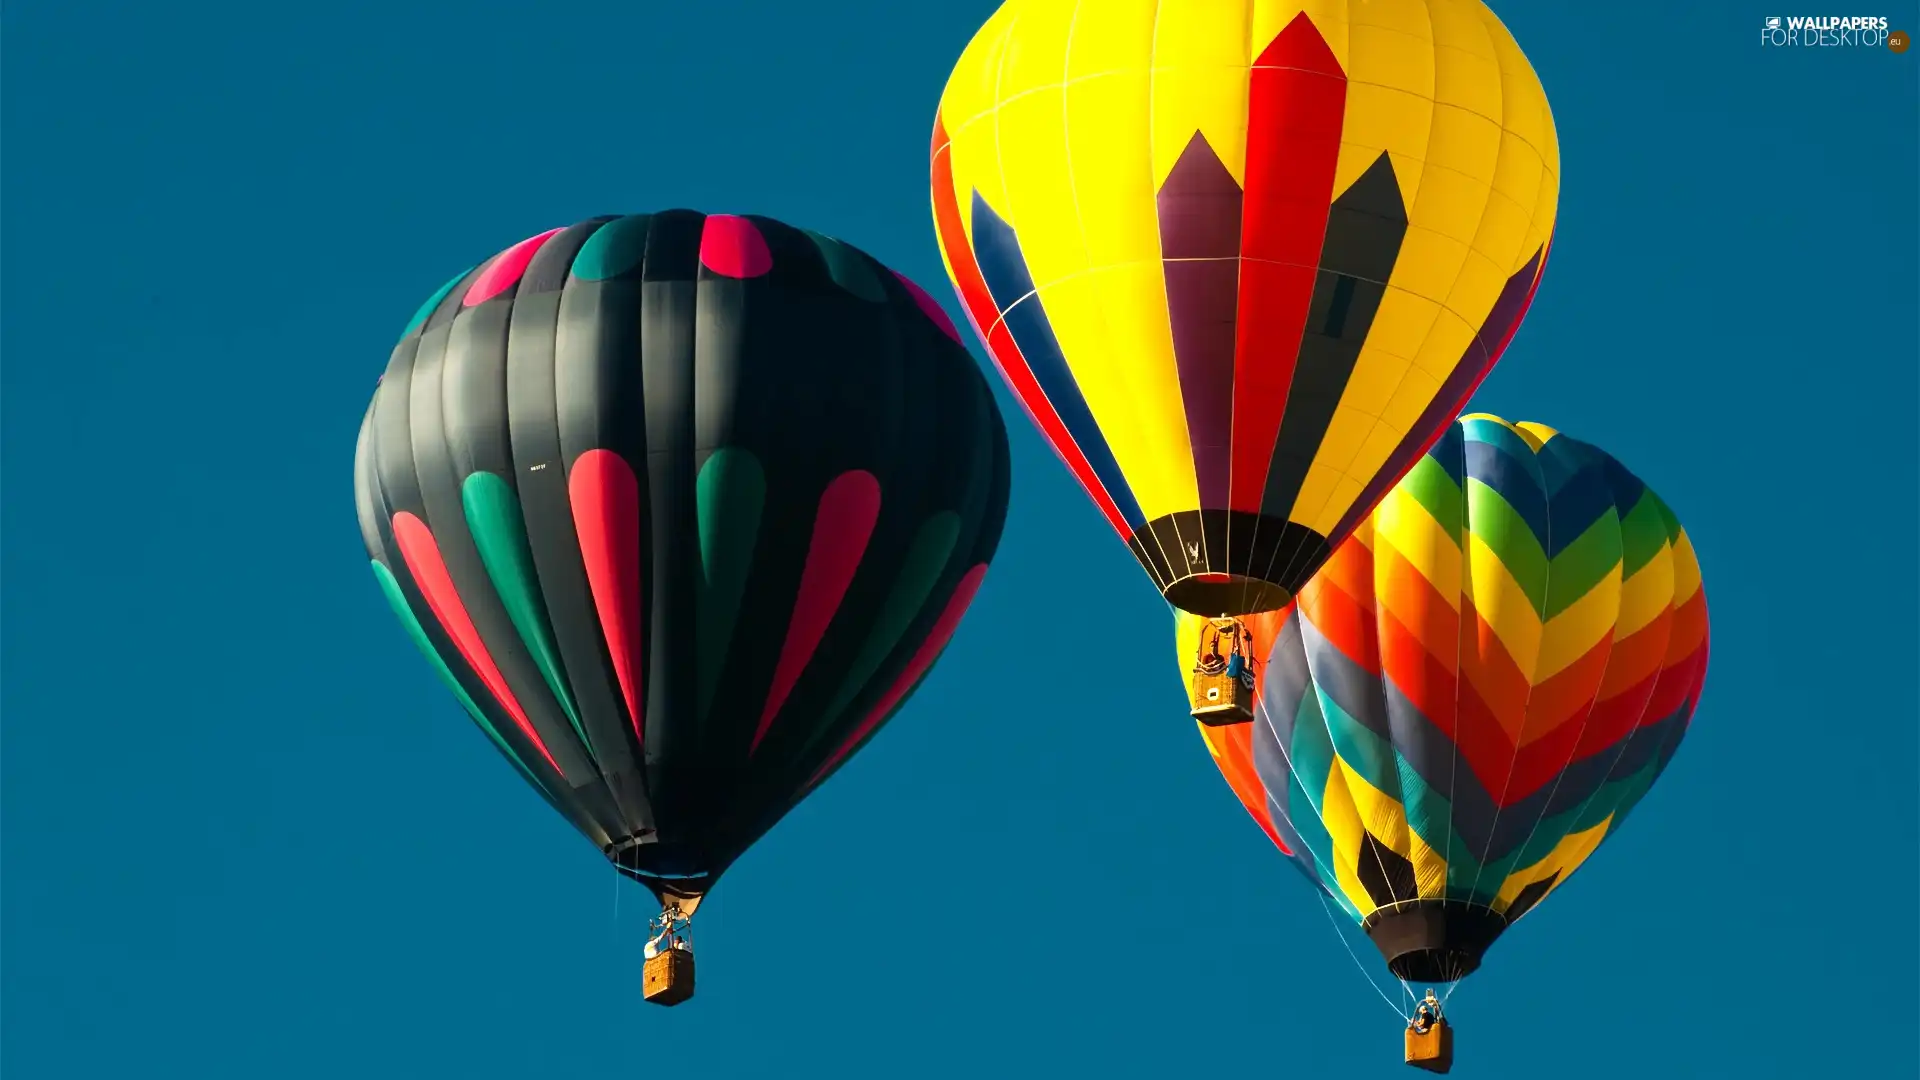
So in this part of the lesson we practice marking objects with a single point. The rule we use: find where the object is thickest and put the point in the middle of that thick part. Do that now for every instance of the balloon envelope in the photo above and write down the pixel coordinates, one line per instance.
(1473, 693)
(1242, 262)
(682, 508)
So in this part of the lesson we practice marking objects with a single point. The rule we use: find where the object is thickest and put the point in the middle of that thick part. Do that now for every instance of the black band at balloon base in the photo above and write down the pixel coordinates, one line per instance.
(1228, 562)
(1218, 595)
(1432, 941)
(640, 859)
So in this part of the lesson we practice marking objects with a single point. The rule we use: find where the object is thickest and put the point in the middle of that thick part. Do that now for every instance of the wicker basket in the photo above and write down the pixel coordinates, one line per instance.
(1432, 1049)
(668, 978)
(1220, 700)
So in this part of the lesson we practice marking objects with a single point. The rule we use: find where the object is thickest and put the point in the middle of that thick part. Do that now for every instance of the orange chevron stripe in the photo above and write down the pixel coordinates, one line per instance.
(1637, 658)
(1567, 697)
(1343, 621)
(1428, 681)
(1486, 665)
(1689, 625)
(1616, 718)
(1351, 571)
(1416, 604)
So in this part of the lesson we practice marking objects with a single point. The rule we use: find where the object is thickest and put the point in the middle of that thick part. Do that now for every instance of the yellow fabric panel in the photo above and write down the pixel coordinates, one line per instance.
(1409, 400)
(1648, 594)
(1429, 868)
(1316, 492)
(1502, 603)
(1389, 61)
(1537, 435)
(1457, 177)
(1341, 818)
(1574, 632)
(1384, 361)
(1363, 533)
(1444, 89)
(1346, 489)
(967, 109)
(1404, 525)
(1505, 609)
(1385, 816)
(1508, 227)
(1112, 322)
(1380, 813)
(1686, 570)
(1186, 643)
(1114, 329)
(1200, 72)
(1032, 155)
(1348, 432)
(1446, 341)
(1067, 161)
(1528, 119)
(1566, 856)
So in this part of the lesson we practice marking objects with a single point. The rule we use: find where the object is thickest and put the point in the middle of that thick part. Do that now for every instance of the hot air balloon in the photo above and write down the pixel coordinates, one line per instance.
(1243, 261)
(1473, 693)
(682, 508)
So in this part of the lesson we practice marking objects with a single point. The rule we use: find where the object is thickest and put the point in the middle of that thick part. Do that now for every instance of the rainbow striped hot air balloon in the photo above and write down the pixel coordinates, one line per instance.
(1243, 261)
(1474, 692)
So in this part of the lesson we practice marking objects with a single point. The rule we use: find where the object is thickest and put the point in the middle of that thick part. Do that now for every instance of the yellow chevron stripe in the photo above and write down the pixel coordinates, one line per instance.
(1566, 856)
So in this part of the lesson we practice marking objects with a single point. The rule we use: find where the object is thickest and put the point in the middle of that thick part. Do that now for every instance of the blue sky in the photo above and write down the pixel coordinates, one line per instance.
(216, 740)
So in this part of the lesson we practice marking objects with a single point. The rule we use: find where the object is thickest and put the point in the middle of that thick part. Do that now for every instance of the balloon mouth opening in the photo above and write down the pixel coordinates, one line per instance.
(1216, 595)
(1434, 965)
(1222, 562)
(1434, 941)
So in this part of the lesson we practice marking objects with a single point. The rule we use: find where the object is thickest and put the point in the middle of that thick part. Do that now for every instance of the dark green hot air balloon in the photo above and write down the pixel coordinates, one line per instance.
(683, 508)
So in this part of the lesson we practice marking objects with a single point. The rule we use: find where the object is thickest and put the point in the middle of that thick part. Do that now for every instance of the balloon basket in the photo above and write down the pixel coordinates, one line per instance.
(668, 977)
(1431, 1049)
(1221, 700)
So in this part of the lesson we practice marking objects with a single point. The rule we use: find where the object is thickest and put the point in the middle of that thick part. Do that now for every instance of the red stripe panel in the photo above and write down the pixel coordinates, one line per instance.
(1561, 704)
(1343, 620)
(1686, 667)
(841, 528)
(1550, 742)
(1421, 668)
(1350, 569)
(980, 309)
(1296, 105)
(1614, 718)
(605, 497)
(422, 555)
(1419, 638)
(1489, 686)
(1621, 700)
(506, 269)
(1636, 659)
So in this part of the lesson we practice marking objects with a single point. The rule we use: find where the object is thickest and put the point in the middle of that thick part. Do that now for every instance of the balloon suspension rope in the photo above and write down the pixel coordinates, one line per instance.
(1398, 1009)
(672, 927)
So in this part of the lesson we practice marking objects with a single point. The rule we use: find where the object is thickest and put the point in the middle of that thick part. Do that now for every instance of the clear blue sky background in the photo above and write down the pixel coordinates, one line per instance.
(248, 835)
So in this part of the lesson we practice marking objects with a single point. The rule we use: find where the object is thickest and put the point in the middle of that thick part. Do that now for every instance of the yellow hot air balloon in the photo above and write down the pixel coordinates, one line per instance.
(1243, 260)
